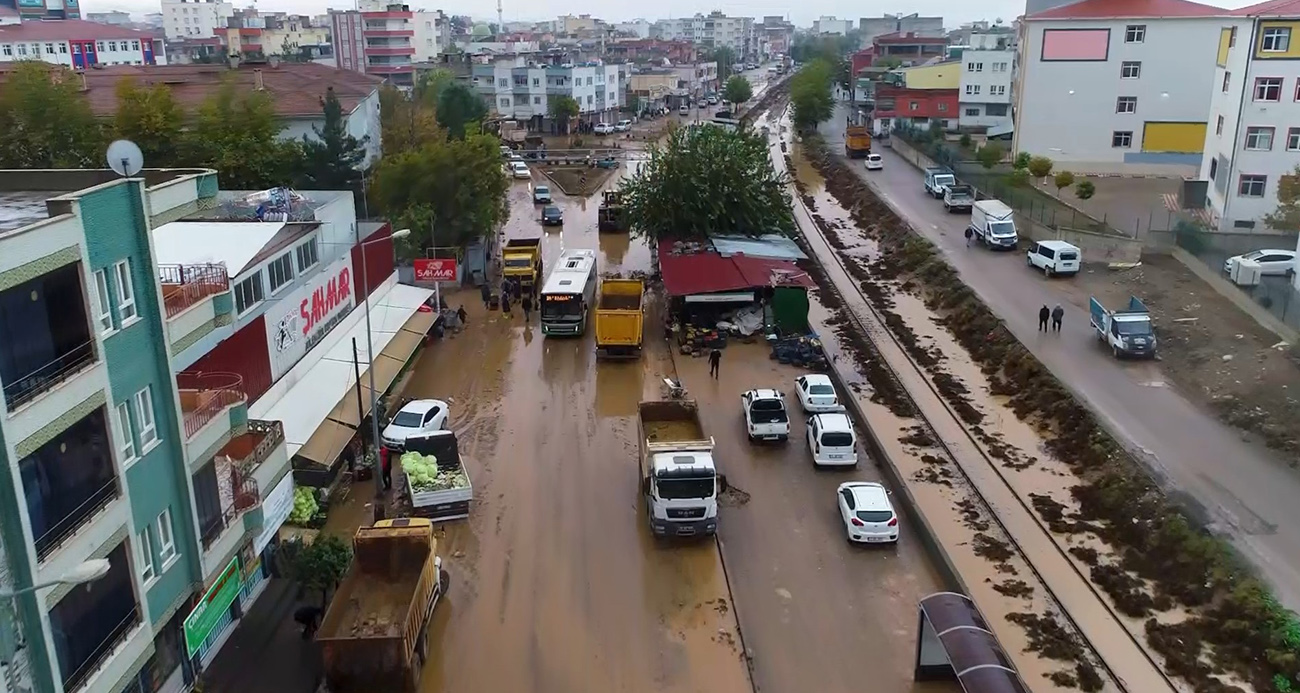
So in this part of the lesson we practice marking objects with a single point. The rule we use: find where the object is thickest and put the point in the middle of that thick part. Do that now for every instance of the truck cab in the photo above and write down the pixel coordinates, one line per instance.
(1127, 332)
(522, 261)
(993, 224)
(679, 479)
(765, 415)
(937, 180)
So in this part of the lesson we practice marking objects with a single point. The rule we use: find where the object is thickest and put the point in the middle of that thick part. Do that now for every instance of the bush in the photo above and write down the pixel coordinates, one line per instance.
(1064, 179)
(1040, 167)
(990, 155)
(1189, 237)
(1085, 189)
(1022, 161)
(1018, 178)
(965, 140)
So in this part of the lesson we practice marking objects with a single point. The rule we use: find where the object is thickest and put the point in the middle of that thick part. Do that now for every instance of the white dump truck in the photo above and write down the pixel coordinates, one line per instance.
(679, 479)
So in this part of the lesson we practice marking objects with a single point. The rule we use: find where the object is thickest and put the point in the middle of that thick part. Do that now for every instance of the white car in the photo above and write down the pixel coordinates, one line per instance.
(868, 516)
(603, 129)
(684, 111)
(875, 162)
(1271, 262)
(623, 126)
(817, 393)
(765, 415)
(416, 416)
(519, 169)
(831, 441)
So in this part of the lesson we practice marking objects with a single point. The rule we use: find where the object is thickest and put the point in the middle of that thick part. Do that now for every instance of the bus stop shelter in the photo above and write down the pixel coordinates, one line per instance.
(954, 642)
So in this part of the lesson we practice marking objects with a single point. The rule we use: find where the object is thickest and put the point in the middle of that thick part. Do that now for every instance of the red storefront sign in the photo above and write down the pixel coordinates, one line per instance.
(435, 270)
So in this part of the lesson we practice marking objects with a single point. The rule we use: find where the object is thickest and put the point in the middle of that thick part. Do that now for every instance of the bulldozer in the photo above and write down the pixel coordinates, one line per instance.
(610, 216)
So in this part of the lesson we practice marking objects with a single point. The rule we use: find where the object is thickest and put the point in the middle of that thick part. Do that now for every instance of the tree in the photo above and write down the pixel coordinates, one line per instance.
(45, 122)
(1022, 161)
(151, 118)
(238, 135)
(725, 57)
(1085, 189)
(563, 109)
(431, 84)
(321, 564)
(1287, 215)
(965, 140)
(1063, 179)
(707, 180)
(333, 159)
(1018, 178)
(458, 107)
(1040, 167)
(810, 95)
(405, 123)
(737, 90)
(448, 192)
(890, 62)
(989, 155)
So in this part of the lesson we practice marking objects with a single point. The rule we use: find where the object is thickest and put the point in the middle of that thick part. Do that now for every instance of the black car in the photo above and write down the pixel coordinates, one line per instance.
(552, 216)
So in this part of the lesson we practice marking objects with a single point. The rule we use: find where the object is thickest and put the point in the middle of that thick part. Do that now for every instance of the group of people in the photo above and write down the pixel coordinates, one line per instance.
(1056, 314)
(511, 290)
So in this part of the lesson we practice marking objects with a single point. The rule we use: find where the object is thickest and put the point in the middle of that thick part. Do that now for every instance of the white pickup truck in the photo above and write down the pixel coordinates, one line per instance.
(765, 415)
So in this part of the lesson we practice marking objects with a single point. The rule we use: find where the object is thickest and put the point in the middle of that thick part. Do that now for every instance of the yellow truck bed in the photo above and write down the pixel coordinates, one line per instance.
(620, 318)
(857, 141)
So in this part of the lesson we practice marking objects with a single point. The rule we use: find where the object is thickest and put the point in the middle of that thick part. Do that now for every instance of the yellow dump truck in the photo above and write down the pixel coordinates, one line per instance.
(619, 318)
(374, 637)
(522, 261)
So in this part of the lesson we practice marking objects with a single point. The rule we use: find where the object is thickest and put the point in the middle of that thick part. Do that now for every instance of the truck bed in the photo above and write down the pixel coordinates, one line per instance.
(619, 302)
(365, 607)
(669, 422)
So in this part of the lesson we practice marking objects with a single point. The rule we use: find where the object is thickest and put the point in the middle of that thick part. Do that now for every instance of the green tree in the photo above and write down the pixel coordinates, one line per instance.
(151, 118)
(563, 109)
(810, 95)
(889, 62)
(1085, 189)
(333, 159)
(1018, 178)
(965, 140)
(1040, 167)
(448, 192)
(1063, 179)
(238, 135)
(458, 106)
(45, 122)
(708, 180)
(405, 123)
(989, 155)
(429, 88)
(321, 564)
(725, 57)
(1022, 161)
(737, 90)
(1287, 215)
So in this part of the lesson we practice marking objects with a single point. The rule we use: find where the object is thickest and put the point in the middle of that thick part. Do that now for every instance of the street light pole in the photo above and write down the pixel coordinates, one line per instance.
(87, 571)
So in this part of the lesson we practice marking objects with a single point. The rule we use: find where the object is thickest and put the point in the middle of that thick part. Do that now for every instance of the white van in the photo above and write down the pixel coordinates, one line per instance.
(831, 441)
(1054, 257)
(993, 223)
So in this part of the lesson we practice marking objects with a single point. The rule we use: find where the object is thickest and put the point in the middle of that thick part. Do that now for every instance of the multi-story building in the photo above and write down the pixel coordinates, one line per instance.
(387, 39)
(1117, 86)
(80, 44)
(909, 48)
(638, 28)
(832, 26)
(918, 96)
(250, 34)
(774, 35)
(986, 83)
(569, 25)
(652, 51)
(194, 18)
(519, 89)
(699, 79)
(871, 27)
(18, 10)
(112, 17)
(710, 31)
(1252, 141)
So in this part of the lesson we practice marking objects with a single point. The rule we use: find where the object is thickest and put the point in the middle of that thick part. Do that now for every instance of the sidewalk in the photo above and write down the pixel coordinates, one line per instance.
(266, 653)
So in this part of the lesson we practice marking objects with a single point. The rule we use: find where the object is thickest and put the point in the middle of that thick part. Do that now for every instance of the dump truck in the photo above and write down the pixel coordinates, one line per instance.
(857, 137)
(522, 261)
(679, 479)
(610, 215)
(1127, 332)
(375, 635)
(619, 318)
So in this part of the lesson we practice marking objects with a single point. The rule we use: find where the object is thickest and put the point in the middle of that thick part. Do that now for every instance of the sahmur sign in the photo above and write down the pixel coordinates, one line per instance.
(307, 315)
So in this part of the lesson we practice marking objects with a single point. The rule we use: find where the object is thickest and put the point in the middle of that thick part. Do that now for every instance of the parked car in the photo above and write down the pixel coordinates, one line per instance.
(603, 129)
(1271, 262)
(552, 216)
(684, 110)
(875, 162)
(831, 441)
(765, 415)
(623, 126)
(817, 393)
(541, 195)
(415, 417)
(713, 99)
(519, 169)
(1054, 257)
(868, 516)
(506, 152)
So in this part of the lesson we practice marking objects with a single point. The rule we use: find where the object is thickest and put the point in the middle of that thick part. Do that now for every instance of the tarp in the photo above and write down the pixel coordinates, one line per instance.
(704, 271)
(759, 271)
(771, 246)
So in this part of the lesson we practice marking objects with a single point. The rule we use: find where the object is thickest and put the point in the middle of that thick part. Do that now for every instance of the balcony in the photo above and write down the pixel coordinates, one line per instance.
(207, 402)
(95, 629)
(259, 454)
(48, 339)
(382, 69)
(190, 299)
(223, 493)
(390, 33)
(390, 50)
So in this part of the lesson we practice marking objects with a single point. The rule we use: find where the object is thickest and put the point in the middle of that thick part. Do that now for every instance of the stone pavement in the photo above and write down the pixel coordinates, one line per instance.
(266, 653)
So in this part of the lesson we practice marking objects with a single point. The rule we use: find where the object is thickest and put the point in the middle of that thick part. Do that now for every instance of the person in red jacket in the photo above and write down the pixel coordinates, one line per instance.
(386, 467)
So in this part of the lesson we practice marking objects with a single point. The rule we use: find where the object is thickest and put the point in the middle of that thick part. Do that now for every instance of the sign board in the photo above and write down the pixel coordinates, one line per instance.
(435, 270)
(275, 510)
(210, 610)
(304, 317)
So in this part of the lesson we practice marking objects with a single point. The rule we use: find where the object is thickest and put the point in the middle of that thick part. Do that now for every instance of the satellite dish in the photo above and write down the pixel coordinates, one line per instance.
(125, 158)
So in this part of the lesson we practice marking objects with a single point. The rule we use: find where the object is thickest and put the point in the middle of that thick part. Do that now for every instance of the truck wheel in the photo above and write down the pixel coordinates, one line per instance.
(444, 581)
(1114, 350)
(422, 646)
(1047, 271)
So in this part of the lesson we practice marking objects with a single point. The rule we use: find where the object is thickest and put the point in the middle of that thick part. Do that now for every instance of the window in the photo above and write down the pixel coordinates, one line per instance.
(503, 82)
(307, 255)
(76, 49)
(280, 271)
(1268, 88)
(942, 107)
(1293, 140)
(112, 45)
(1218, 126)
(63, 48)
(975, 67)
(22, 49)
(1126, 104)
(1251, 185)
(104, 304)
(49, 48)
(144, 417)
(248, 293)
(537, 82)
(1130, 69)
(147, 571)
(1259, 139)
(973, 112)
(995, 109)
(998, 90)
(1121, 139)
(1276, 39)
(1135, 33)
(7, 49)
(537, 100)
(1214, 168)
(913, 106)
(166, 540)
(125, 291)
(505, 103)
(1227, 80)
(135, 45)
(122, 423)
(972, 89)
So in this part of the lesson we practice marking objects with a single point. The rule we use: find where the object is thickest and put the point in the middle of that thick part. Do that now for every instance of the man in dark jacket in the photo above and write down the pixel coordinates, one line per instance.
(1043, 315)
(1057, 314)
(715, 360)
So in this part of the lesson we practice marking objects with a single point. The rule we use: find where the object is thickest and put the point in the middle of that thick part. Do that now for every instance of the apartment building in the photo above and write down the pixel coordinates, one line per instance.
(638, 28)
(78, 43)
(517, 88)
(710, 31)
(21, 10)
(918, 96)
(831, 26)
(985, 90)
(1253, 140)
(252, 34)
(376, 41)
(194, 18)
(1118, 86)
(871, 27)
(909, 48)
(773, 36)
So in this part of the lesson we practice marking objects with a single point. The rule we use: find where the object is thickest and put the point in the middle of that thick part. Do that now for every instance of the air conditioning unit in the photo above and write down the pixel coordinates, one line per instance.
(1246, 273)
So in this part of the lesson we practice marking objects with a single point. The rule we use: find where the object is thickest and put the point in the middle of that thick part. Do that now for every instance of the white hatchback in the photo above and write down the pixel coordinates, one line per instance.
(603, 129)
(817, 393)
(519, 170)
(868, 516)
(875, 162)
(1271, 262)
(831, 441)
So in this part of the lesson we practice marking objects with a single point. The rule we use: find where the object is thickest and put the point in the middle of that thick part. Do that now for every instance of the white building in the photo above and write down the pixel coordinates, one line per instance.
(985, 91)
(832, 26)
(1253, 140)
(79, 44)
(432, 35)
(639, 28)
(518, 89)
(1101, 90)
(194, 18)
(711, 31)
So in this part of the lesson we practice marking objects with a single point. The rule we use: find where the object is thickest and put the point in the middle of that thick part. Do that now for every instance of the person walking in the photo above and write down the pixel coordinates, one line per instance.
(1043, 315)
(715, 360)
(505, 304)
(386, 467)
(462, 315)
(527, 305)
(969, 233)
(486, 292)
(1057, 314)
(309, 618)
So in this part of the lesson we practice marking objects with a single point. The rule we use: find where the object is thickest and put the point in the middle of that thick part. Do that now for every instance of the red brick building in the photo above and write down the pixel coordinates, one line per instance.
(918, 105)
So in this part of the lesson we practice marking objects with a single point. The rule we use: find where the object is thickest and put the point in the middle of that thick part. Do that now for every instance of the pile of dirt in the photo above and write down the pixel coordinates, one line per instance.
(1249, 634)
(1050, 639)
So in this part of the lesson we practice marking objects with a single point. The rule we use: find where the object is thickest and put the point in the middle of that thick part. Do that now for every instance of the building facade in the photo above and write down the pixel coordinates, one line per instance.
(832, 26)
(17, 10)
(918, 96)
(986, 87)
(194, 18)
(79, 44)
(377, 41)
(871, 27)
(518, 89)
(1109, 87)
(711, 31)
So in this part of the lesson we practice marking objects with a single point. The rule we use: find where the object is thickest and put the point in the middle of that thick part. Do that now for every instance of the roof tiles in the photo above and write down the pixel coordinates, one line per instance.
(68, 30)
(1136, 9)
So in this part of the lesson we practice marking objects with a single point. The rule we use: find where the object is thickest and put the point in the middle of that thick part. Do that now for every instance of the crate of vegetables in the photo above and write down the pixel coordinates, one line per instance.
(436, 481)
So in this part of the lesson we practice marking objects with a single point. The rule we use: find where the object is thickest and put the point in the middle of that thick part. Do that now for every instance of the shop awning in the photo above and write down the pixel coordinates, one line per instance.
(704, 271)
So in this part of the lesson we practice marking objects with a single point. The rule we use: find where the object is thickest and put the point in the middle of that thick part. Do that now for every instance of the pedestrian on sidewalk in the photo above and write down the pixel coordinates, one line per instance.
(1057, 314)
(715, 360)
(969, 233)
(309, 618)
(486, 291)
(1043, 315)
(505, 304)
(386, 467)
(527, 305)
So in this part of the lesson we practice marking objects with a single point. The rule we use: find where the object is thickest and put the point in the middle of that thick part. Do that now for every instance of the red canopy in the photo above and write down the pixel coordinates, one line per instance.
(707, 272)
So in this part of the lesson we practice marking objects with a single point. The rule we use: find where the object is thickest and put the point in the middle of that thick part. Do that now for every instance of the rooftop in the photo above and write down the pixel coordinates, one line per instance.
(69, 29)
(235, 244)
(20, 208)
(243, 205)
(25, 194)
(1271, 8)
(1131, 9)
(296, 88)
(910, 37)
